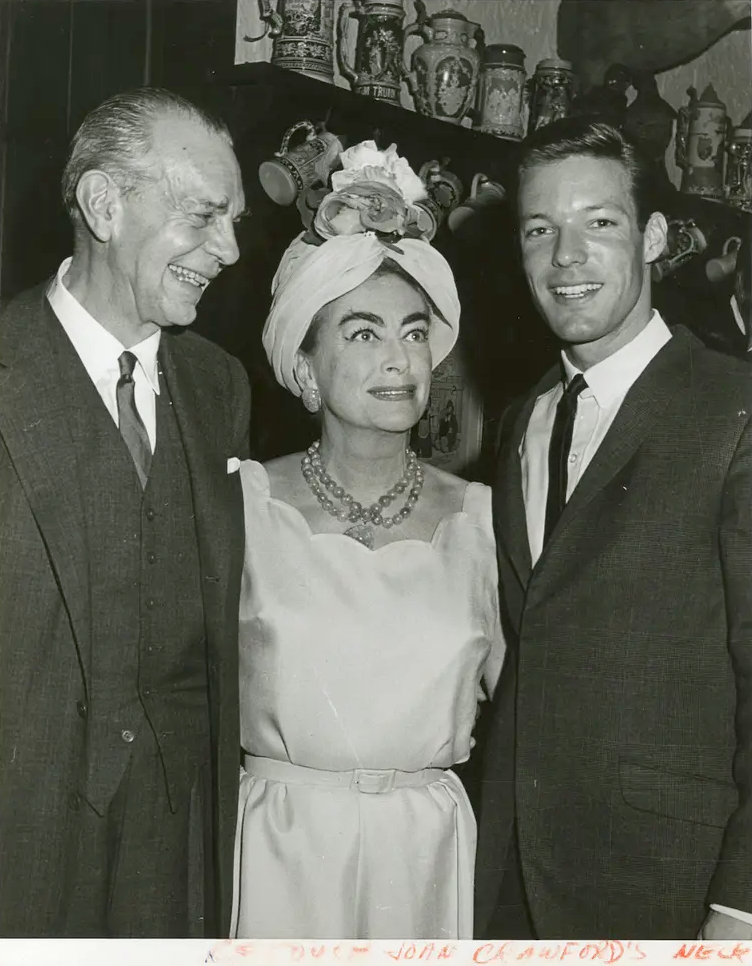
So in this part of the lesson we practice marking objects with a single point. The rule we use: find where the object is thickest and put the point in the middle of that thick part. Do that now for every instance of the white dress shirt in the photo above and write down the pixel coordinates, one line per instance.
(608, 382)
(99, 351)
(738, 319)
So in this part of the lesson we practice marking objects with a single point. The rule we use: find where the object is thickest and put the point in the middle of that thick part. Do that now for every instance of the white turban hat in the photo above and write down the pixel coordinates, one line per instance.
(310, 276)
(374, 203)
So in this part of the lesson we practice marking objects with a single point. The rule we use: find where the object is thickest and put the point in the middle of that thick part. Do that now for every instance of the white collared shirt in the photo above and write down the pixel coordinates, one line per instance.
(608, 382)
(738, 319)
(99, 351)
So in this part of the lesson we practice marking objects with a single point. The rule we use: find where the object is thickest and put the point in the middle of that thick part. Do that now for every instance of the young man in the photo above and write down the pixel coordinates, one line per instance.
(618, 785)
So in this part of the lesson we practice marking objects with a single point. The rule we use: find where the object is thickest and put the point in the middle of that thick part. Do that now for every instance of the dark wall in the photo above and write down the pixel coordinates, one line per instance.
(59, 59)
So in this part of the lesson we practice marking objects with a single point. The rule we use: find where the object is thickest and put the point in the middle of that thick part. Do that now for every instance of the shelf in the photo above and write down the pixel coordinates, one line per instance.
(286, 96)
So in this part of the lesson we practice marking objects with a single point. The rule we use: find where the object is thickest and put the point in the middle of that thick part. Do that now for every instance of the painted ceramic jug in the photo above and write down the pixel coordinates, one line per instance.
(303, 33)
(700, 135)
(444, 70)
(377, 70)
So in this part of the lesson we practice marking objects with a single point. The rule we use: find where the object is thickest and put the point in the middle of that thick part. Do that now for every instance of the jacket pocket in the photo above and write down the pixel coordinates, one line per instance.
(687, 798)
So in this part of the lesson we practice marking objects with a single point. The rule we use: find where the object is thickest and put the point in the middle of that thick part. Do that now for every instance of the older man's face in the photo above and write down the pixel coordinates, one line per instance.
(175, 232)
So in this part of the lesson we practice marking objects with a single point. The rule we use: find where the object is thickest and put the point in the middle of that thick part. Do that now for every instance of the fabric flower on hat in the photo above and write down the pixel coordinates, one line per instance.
(374, 191)
(364, 162)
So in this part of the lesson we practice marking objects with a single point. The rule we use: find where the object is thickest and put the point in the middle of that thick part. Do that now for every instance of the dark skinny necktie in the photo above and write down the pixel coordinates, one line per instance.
(558, 453)
(131, 427)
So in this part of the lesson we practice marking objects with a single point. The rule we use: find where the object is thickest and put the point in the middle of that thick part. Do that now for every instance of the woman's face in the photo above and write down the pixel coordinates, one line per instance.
(372, 362)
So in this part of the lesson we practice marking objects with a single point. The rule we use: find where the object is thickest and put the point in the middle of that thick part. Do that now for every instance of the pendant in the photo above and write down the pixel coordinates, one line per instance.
(362, 533)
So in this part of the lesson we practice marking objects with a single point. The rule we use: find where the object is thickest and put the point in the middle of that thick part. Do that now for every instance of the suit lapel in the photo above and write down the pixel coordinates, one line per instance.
(643, 406)
(35, 428)
(217, 496)
(511, 520)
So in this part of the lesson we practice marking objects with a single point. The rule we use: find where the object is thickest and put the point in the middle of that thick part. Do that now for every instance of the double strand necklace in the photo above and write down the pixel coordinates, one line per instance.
(348, 509)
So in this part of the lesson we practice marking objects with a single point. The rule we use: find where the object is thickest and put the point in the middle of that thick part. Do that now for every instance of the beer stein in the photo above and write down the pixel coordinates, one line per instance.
(502, 86)
(483, 193)
(684, 240)
(551, 93)
(303, 33)
(377, 71)
(719, 268)
(295, 169)
(442, 185)
(700, 136)
(738, 181)
(445, 68)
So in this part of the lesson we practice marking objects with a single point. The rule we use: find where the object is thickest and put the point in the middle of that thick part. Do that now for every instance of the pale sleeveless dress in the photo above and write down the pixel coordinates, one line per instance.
(356, 659)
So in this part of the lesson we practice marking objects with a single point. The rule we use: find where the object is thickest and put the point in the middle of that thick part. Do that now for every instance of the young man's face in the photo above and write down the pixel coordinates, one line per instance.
(585, 257)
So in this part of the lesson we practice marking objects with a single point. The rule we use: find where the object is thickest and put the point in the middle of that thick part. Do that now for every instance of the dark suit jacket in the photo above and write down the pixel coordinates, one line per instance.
(622, 737)
(45, 632)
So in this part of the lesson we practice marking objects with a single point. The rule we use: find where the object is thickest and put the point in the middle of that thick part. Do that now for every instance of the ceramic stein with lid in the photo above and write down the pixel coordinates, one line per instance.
(444, 70)
(502, 91)
(551, 93)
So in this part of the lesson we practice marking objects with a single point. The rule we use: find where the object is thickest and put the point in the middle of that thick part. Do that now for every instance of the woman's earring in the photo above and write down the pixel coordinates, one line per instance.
(312, 400)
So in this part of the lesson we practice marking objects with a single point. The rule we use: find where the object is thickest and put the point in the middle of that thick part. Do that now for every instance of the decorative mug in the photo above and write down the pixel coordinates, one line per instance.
(700, 134)
(551, 91)
(502, 92)
(483, 194)
(684, 240)
(303, 36)
(444, 190)
(294, 170)
(719, 268)
(738, 181)
(444, 70)
(377, 71)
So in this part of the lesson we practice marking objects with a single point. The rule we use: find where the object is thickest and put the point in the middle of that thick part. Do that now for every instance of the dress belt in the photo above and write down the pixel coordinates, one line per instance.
(371, 781)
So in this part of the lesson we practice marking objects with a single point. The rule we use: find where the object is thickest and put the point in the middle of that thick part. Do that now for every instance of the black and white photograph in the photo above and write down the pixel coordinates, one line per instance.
(376, 476)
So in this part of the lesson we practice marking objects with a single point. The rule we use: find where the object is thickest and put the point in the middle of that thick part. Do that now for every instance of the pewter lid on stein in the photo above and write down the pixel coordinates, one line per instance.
(709, 96)
(504, 55)
(449, 14)
(553, 63)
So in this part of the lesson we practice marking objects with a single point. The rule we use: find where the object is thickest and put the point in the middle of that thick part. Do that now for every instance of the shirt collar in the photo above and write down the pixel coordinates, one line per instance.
(738, 319)
(613, 376)
(97, 348)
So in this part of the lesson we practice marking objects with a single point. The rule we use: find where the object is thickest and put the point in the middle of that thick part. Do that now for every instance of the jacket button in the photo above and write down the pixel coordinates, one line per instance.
(150, 514)
(151, 556)
(150, 603)
(82, 709)
(127, 736)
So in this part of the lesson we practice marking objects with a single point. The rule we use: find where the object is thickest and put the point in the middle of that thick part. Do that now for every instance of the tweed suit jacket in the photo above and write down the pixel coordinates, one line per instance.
(45, 627)
(622, 735)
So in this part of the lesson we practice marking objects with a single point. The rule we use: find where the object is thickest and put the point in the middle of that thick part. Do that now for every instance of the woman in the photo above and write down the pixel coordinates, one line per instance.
(368, 611)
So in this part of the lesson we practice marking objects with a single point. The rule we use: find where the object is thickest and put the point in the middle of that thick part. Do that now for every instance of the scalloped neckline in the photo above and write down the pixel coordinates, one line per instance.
(441, 526)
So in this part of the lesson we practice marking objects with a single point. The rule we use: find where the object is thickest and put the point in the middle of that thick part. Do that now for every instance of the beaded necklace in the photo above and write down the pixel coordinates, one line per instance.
(364, 519)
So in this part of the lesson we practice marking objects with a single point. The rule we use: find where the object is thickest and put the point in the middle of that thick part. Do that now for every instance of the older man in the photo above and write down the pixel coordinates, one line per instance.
(121, 543)
(618, 786)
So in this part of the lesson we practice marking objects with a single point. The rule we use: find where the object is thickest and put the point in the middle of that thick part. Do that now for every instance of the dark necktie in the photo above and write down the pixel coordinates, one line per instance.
(558, 453)
(131, 427)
